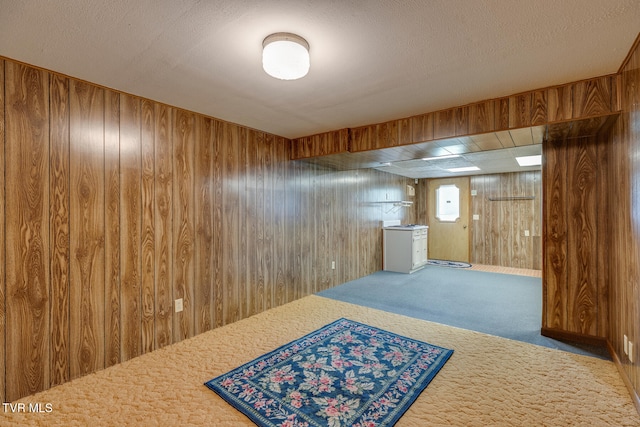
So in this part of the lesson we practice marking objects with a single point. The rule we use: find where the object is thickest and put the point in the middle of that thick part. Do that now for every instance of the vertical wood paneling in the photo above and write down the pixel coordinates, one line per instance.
(461, 115)
(147, 227)
(266, 159)
(230, 224)
(255, 229)
(112, 331)
(244, 221)
(59, 228)
(203, 255)
(183, 222)
(163, 216)
(582, 237)
(592, 97)
(554, 298)
(218, 243)
(481, 117)
(87, 228)
(498, 235)
(2, 242)
(27, 231)
(444, 124)
(281, 198)
(130, 226)
(560, 103)
(160, 204)
(422, 128)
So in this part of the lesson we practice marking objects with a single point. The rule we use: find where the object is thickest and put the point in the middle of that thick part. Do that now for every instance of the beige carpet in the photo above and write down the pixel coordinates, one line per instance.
(488, 381)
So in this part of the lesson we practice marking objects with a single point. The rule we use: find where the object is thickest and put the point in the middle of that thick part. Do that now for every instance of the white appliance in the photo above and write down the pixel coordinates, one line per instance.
(405, 247)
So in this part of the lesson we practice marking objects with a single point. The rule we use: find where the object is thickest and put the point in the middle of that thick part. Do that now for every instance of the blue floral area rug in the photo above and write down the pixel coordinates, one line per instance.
(344, 374)
(452, 264)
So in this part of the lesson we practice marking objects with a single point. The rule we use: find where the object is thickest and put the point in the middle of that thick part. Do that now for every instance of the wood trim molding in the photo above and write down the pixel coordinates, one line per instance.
(561, 335)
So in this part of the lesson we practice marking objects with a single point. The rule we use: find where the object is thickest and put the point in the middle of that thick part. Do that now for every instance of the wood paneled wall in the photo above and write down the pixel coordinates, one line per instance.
(498, 236)
(575, 273)
(577, 100)
(115, 206)
(624, 214)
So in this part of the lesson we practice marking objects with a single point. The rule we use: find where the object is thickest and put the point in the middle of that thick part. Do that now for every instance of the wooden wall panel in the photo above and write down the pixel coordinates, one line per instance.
(444, 124)
(158, 203)
(27, 230)
(87, 228)
(59, 228)
(130, 227)
(184, 134)
(624, 225)
(575, 298)
(112, 268)
(230, 224)
(147, 226)
(582, 237)
(163, 227)
(481, 117)
(2, 241)
(218, 247)
(203, 254)
(498, 236)
(592, 97)
(554, 299)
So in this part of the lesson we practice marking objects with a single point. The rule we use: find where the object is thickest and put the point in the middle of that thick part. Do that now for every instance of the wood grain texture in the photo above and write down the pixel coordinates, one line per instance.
(592, 97)
(624, 212)
(87, 228)
(560, 103)
(320, 144)
(183, 221)
(444, 124)
(481, 117)
(147, 227)
(112, 333)
(27, 230)
(203, 255)
(498, 235)
(422, 128)
(59, 190)
(582, 237)
(576, 232)
(163, 217)
(130, 227)
(555, 273)
(3, 322)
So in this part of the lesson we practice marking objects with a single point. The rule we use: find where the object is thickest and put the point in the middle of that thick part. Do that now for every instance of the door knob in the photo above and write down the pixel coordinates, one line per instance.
(464, 226)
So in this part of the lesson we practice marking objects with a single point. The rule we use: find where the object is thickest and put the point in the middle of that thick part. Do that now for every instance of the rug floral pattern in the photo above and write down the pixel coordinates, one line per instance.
(344, 374)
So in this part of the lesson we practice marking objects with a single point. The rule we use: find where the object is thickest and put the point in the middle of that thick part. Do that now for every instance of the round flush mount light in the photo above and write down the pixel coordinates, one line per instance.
(285, 56)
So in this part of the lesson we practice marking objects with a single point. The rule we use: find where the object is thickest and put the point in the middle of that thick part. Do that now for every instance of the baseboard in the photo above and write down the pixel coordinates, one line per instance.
(627, 382)
(558, 334)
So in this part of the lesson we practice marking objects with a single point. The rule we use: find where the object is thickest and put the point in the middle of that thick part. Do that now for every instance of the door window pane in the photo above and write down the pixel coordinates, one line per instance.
(448, 203)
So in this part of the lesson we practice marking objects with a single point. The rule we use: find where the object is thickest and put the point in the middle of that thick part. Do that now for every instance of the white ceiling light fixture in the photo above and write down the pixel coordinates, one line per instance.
(449, 156)
(285, 56)
(530, 160)
(465, 169)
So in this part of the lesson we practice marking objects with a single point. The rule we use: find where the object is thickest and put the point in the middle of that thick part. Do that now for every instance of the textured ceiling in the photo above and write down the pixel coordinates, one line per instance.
(371, 61)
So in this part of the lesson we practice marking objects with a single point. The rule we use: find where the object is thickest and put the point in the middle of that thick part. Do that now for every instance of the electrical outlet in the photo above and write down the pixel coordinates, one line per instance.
(178, 305)
(333, 265)
(526, 233)
(630, 351)
(626, 345)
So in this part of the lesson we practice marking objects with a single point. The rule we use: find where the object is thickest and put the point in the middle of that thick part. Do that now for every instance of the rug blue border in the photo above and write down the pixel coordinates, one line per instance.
(398, 412)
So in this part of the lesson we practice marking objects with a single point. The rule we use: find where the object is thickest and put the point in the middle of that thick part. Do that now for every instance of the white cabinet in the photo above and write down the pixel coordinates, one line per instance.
(405, 248)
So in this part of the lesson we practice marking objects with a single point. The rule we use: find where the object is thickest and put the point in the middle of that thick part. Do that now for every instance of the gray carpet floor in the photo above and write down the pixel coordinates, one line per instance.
(504, 305)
